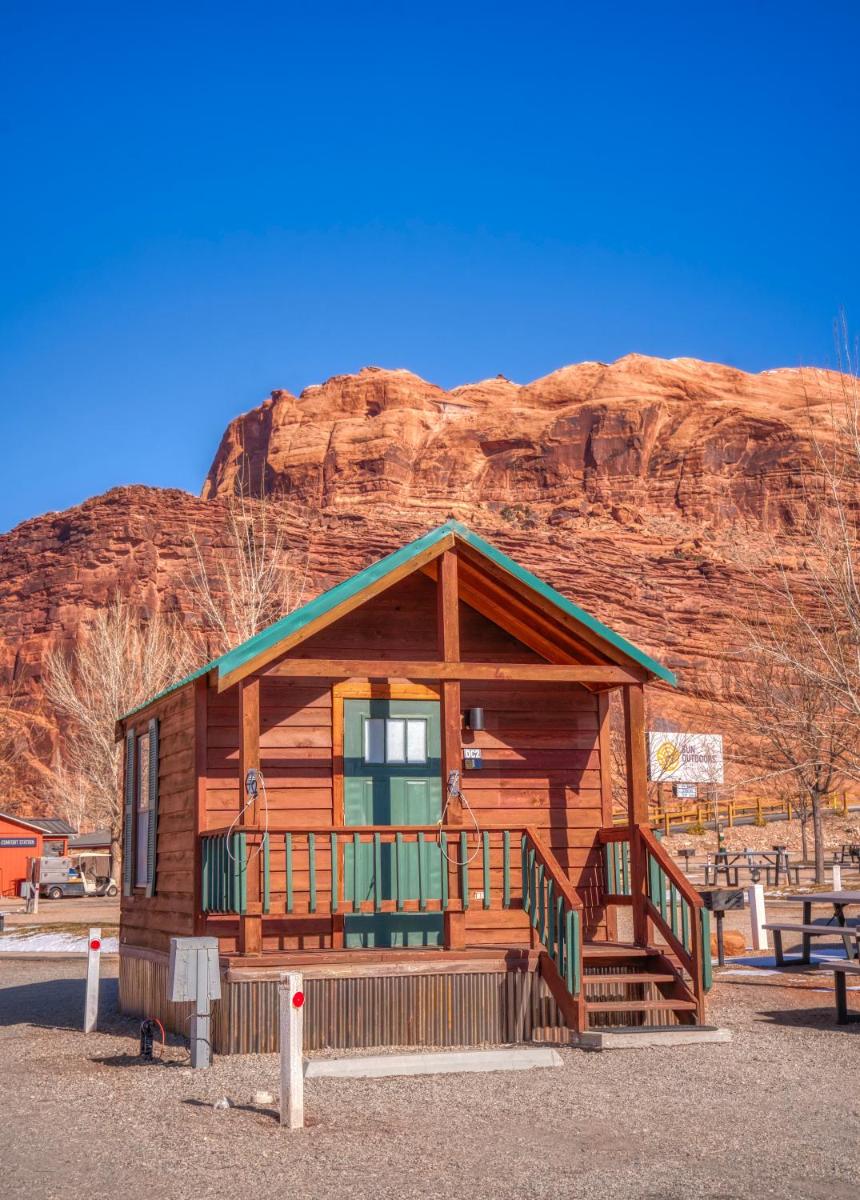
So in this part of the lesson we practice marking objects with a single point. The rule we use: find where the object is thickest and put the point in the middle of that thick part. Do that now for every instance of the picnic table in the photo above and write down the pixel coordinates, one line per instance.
(728, 863)
(837, 924)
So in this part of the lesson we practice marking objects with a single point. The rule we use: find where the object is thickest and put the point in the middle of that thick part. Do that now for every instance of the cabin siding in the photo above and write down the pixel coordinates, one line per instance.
(541, 758)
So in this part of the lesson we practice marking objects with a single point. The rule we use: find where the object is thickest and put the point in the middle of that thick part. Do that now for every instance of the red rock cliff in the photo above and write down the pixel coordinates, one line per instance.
(623, 485)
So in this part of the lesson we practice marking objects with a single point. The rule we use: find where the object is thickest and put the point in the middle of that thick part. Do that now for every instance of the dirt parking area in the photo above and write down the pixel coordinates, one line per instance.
(772, 1114)
(79, 910)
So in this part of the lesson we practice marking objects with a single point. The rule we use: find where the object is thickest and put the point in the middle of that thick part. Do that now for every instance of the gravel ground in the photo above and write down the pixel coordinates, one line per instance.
(775, 1113)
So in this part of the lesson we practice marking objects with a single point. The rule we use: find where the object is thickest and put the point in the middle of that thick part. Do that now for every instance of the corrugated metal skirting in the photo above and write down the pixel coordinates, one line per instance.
(416, 1009)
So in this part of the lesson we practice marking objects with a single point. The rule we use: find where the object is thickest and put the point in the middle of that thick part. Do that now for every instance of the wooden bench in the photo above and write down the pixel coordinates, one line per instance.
(848, 933)
(840, 971)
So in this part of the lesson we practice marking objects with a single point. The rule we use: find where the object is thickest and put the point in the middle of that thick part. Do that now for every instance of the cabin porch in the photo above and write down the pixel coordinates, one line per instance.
(558, 970)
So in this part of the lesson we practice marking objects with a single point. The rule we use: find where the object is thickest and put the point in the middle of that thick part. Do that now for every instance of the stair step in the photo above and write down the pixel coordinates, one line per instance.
(596, 951)
(594, 1006)
(631, 977)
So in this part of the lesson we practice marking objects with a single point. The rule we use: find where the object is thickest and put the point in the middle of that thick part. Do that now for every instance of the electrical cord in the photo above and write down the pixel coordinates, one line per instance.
(454, 792)
(253, 781)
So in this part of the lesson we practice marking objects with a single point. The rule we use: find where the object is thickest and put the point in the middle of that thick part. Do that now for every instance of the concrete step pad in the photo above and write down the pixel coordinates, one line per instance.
(377, 1066)
(643, 1037)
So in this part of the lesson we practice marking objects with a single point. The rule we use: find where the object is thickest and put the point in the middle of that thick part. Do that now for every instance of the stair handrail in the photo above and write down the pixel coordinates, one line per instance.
(554, 909)
(696, 960)
(671, 868)
(554, 867)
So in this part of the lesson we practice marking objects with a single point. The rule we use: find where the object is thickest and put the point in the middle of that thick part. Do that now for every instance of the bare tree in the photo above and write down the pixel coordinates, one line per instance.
(820, 601)
(255, 574)
(800, 730)
(796, 675)
(119, 662)
(20, 730)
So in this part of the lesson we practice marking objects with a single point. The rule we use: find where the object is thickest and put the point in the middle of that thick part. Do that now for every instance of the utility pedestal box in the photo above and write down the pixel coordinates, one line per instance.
(194, 975)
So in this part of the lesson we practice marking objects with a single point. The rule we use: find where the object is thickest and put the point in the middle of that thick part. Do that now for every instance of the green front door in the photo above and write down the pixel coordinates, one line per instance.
(392, 776)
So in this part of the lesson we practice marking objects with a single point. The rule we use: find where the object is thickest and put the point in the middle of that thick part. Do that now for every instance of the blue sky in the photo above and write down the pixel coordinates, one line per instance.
(204, 202)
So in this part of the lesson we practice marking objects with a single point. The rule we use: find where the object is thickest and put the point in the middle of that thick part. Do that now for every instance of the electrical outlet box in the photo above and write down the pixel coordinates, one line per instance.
(193, 970)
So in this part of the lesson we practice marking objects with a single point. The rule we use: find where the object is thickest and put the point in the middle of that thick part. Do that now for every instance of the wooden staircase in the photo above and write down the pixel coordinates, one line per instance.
(634, 986)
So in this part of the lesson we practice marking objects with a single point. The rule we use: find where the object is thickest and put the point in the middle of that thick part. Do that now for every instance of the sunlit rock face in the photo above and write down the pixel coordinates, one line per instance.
(632, 487)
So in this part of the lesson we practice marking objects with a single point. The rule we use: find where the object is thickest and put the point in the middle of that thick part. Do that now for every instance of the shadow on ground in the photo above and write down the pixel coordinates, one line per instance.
(59, 1004)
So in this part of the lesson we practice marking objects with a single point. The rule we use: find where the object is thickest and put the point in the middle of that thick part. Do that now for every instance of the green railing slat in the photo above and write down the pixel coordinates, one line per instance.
(334, 872)
(204, 874)
(377, 873)
(443, 865)
(685, 925)
(673, 909)
(288, 852)
(506, 869)
(653, 885)
(243, 873)
(625, 868)
(541, 926)
(422, 875)
(576, 950)
(569, 951)
(707, 966)
(550, 917)
(356, 869)
(559, 936)
(486, 847)
(312, 872)
(398, 871)
(267, 883)
(464, 871)
(532, 888)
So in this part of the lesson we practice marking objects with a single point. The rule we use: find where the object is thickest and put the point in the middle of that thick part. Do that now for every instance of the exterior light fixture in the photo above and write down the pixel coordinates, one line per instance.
(474, 718)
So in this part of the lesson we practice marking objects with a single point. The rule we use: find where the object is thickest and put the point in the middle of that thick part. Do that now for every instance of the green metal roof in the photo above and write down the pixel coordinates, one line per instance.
(295, 621)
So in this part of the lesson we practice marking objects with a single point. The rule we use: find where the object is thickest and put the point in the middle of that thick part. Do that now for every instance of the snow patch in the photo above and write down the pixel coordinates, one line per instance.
(51, 943)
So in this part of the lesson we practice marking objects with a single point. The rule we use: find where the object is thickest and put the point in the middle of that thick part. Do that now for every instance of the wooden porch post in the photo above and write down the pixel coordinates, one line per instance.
(251, 922)
(448, 633)
(637, 801)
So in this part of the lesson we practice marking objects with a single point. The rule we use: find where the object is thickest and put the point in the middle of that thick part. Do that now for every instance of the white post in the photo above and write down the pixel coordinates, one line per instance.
(91, 1003)
(755, 896)
(837, 877)
(201, 1022)
(291, 1000)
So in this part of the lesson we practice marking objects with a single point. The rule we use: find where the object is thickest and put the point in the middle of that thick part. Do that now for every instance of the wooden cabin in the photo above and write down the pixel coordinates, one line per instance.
(403, 789)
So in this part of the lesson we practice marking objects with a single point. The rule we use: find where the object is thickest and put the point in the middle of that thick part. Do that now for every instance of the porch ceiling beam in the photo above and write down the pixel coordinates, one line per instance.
(359, 668)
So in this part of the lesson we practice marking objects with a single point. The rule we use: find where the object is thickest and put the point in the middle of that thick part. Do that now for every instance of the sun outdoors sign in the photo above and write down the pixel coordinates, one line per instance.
(685, 757)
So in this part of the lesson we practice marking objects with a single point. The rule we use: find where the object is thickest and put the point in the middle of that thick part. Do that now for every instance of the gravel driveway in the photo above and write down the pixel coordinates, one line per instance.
(773, 1114)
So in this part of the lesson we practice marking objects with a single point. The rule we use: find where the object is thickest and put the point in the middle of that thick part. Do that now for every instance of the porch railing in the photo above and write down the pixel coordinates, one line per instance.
(671, 904)
(340, 870)
(364, 869)
(225, 862)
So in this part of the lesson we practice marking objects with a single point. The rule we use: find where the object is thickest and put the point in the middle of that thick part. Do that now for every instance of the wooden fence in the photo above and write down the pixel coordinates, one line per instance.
(702, 812)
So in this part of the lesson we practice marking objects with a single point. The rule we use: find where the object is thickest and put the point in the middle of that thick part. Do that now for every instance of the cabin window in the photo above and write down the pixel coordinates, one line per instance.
(395, 740)
(141, 814)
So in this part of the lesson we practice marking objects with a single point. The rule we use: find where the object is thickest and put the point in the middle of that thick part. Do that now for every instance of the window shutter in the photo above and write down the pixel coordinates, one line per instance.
(153, 807)
(128, 816)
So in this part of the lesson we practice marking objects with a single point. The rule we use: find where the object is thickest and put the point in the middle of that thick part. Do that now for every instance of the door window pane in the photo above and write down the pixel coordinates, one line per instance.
(396, 740)
(416, 741)
(374, 740)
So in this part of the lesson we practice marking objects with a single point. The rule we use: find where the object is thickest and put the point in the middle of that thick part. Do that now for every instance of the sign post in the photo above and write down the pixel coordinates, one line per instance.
(755, 895)
(291, 999)
(91, 1002)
